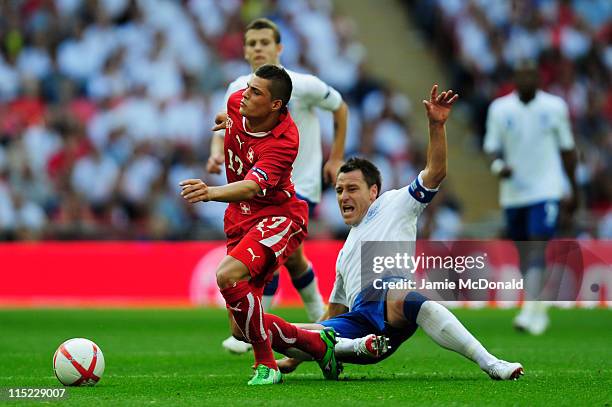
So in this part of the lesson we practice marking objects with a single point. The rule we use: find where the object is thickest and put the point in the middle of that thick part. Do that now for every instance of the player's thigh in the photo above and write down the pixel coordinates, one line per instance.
(282, 235)
(542, 220)
(516, 223)
(256, 260)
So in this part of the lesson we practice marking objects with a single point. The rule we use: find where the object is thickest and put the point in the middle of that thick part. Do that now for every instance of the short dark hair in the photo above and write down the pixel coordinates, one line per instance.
(263, 23)
(370, 172)
(280, 83)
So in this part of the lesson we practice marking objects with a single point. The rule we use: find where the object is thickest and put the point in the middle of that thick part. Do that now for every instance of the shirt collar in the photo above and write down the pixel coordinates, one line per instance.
(538, 95)
(281, 127)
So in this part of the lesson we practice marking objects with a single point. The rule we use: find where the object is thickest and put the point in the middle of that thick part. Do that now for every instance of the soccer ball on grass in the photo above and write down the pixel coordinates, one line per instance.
(78, 362)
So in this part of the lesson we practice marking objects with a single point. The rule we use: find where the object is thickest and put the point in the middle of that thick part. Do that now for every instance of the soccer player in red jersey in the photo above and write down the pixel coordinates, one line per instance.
(264, 221)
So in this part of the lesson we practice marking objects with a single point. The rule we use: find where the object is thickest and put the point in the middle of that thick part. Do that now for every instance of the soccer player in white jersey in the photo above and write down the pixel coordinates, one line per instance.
(262, 45)
(392, 216)
(532, 149)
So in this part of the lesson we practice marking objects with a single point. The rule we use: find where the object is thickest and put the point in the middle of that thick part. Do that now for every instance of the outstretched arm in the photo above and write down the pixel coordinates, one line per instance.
(336, 155)
(195, 190)
(438, 109)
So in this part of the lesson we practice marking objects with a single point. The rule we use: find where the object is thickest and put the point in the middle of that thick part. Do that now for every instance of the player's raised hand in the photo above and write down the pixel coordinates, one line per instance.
(194, 190)
(213, 166)
(220, 121)
(439, 105)
(330, 169)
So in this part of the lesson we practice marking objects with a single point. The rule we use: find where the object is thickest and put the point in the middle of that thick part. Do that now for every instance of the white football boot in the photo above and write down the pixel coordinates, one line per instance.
(502, 370)
(372, 346)
(235, 346)
(539, 319)
(533, 318)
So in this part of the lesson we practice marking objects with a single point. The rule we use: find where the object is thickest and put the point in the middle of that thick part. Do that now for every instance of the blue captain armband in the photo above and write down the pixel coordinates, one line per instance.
(419, 192)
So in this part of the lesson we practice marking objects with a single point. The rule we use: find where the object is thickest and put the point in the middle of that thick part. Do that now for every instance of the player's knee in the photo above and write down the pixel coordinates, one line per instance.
(412, 306)
(230, 271)
(226, 277)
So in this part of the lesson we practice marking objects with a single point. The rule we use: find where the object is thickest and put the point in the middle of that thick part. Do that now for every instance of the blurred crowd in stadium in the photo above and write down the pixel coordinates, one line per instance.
(105, 105)
(480, 41)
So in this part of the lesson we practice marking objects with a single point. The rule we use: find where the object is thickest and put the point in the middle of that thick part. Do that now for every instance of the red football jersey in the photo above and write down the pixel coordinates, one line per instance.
(266, 158)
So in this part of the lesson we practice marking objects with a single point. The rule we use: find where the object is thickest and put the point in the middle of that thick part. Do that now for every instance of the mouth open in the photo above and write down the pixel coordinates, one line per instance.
(348, 210)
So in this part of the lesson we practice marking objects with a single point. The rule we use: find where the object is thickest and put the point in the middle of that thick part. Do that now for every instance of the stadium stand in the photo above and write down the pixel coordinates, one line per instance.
(105, 105)
(480, 41)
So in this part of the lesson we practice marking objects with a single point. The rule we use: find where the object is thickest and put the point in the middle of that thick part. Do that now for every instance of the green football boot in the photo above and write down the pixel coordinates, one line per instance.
(330, 367)
(265, 375)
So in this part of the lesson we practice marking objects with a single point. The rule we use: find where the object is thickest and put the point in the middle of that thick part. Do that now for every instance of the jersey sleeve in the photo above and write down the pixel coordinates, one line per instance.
(493, 136)
(271, 165)
(565, 139)
(321, 94)
(410, 200)
(338, 295)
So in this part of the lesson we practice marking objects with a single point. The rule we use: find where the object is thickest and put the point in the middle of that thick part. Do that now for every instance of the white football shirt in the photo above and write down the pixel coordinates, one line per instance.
(308, 93)
(392, 217)
(529, 137)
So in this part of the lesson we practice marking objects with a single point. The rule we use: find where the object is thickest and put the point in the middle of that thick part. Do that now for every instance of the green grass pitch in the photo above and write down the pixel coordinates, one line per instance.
(174, 357)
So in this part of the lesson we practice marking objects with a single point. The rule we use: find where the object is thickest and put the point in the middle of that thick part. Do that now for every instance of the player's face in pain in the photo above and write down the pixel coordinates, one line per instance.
(256, 102)
(260, 48)
(354, 196)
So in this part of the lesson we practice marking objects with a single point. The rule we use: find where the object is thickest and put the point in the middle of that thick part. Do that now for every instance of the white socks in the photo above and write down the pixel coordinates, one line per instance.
(313, 302)
(346, 347)
(266, 302)
(446, 330)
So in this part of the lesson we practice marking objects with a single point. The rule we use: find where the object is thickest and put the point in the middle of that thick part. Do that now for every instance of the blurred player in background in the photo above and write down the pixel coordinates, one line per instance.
(264, 222)
(356, 310)
(531, 145)
(262, 45)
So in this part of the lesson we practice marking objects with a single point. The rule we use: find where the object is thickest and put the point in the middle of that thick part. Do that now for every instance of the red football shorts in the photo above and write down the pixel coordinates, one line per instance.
(267, 245)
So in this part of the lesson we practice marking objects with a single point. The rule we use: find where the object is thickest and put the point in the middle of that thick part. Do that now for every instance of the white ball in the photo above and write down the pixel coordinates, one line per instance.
(78, 362)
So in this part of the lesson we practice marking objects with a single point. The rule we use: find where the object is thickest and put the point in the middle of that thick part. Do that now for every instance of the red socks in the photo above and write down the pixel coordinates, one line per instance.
(285, 335)
(267, 331)
(249, 316)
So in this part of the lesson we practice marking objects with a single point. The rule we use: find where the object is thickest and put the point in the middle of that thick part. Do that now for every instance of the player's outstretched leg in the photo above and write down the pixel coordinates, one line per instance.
(305, 282)
(318, 345)
(364, 350)
(445, 329)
